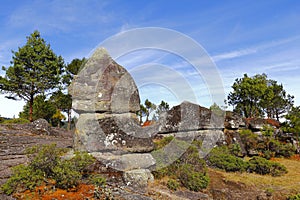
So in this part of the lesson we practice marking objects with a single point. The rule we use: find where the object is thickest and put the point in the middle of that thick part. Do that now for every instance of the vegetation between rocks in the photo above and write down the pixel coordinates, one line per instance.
(47, 167)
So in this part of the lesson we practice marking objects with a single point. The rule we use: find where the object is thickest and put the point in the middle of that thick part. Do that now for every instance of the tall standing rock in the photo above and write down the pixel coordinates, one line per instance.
(103, 86)
(106, 97)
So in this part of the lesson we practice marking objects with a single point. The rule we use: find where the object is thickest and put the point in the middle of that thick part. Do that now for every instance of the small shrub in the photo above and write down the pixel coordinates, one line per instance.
(81, 160)
(45, 164)
(65, 175)
(263, 166)
(97, 180)
(23, 177)
(222, 159)
(193, 180)
(173, 184)
(268, 154)
(190, 169)
(249, 139)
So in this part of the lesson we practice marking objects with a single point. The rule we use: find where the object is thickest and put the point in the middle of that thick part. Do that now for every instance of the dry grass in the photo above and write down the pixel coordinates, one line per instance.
(288, 183)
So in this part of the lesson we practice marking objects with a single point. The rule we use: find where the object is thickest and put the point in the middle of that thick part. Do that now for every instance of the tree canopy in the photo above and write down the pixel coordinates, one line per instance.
(256, 96)
(35, 70)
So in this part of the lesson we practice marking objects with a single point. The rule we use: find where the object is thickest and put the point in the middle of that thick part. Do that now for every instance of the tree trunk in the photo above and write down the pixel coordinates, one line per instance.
(69, 119)
(31, 108)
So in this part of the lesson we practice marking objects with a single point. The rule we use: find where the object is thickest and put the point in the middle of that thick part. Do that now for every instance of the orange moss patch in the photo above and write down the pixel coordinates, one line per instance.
(295, 157)
(83, 191)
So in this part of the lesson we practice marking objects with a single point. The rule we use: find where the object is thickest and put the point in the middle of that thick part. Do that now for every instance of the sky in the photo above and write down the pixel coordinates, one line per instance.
(238, 37)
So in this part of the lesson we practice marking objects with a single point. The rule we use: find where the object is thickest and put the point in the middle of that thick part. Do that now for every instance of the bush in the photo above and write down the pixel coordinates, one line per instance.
(263, 166)
(193, 180)
(23, 177)
(221, 158)
(65, 175)
(45, 164)
(190, 169)
(97, 180)
(173, 184)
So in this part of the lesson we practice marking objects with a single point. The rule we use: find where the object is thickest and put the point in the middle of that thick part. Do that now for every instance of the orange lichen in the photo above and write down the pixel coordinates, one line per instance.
(83, 191)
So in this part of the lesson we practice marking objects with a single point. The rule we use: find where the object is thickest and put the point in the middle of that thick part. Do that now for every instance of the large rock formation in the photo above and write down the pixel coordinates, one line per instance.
(106, 97)
(102, 85)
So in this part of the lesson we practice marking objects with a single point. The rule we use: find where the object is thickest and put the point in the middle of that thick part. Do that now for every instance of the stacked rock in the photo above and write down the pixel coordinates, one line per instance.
(107, 99)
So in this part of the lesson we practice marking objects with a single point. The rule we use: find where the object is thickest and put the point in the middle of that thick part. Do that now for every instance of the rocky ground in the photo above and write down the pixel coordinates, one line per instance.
(14, 139)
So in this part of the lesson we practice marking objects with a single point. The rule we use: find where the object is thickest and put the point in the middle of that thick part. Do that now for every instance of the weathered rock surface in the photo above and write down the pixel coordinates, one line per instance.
(14, 139)
(232, 121)
(111, 132)
(188, 117)
(138, 179)
(102, 85)
(125, 162)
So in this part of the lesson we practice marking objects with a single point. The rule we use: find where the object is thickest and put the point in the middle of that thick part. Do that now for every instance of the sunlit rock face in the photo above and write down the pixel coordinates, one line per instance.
(107, 99)
(102, 85)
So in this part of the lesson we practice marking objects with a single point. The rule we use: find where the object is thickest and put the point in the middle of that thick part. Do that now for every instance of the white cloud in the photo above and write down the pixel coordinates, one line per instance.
(252, 50)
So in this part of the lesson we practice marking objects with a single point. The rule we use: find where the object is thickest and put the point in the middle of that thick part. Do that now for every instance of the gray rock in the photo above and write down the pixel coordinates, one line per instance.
(256, 124)
(111, 132)
(232, 121)
(104, 86)
(138, 178)
(41, 127)
(125, 162)
(188, 117)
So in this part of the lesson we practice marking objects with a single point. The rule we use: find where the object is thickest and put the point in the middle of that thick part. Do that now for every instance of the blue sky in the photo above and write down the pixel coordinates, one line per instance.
(240, 37)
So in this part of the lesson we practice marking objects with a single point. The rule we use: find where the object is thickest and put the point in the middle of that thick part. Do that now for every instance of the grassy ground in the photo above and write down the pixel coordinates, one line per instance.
(283, 185)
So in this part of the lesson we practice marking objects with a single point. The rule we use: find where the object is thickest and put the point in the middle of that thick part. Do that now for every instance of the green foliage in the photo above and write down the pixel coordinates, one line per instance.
(15, 121)
(81, 160)
(173, 184)
(249, 139)
(254, 96)
(65, 175)
(292, 124)
(276, 101)
(294, 197)
(23, 177)
(163, 142)
(150, 107)
(72, 69)
(161, 108)
(97, 180)
(191, 179)
(46, 163)
(62, 102)
(42, 108)
(35, 70)
(268, 147)
(190, 169)
(221, 158)
(263, 166)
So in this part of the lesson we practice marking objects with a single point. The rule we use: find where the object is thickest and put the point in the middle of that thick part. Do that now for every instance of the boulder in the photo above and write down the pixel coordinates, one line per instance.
(125, 162)
(102, 85)
(138, 179)
(111, 132)
(188, 117)
(41, 127)
(232, 121)
(255, 124)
